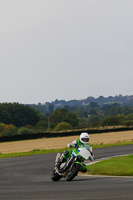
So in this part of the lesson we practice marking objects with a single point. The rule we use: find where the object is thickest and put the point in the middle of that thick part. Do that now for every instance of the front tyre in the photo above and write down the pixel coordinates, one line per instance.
(55, 176)
(73, 172)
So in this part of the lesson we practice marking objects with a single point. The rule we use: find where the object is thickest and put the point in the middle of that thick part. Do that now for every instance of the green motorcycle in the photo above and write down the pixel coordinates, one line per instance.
(72, 165)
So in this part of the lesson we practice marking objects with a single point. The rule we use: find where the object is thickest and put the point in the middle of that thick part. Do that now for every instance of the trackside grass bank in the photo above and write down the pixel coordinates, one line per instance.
(119, 166)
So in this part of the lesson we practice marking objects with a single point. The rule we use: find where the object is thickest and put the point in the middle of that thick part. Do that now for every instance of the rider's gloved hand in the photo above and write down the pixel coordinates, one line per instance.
(73, 144)
(91, 158)
(69, 145)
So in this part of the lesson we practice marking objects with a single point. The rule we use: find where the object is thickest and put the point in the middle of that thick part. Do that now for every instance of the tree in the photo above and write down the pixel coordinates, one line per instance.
(41, 108)
(81, 113)
(110, 121)
(126, 110)
(114, 109)
(129, 117)
(50, 108)
(92, 112)
(18, 114)
(64, 112)
(72, 119)
(5, 116)
(94, 105)
(63, 126)
(9, 130)
(94, 119)
(41, 117)
(56, 117)
(42, 125)
(25, 131)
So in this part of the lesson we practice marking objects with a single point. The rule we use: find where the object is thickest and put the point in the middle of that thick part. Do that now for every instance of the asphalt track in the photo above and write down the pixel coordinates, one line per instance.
(29, 178)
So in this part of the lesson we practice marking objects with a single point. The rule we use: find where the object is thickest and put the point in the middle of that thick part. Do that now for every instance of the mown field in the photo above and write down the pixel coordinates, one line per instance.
(61, 142)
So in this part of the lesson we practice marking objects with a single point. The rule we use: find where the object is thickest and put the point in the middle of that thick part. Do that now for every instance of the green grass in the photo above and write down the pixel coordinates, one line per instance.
(111, 145)
(119, 166)
(34, 152)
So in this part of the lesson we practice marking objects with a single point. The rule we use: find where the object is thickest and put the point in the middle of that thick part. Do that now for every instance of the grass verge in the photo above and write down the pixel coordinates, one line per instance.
(34, 152)
(38, 151)
(111, 145)
(119, 166)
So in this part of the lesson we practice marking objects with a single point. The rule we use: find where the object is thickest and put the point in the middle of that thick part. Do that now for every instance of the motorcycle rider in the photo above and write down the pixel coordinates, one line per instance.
(84, 141)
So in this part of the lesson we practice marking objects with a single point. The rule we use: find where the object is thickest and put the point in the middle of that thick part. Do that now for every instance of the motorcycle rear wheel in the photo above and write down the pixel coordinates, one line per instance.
(74, 172)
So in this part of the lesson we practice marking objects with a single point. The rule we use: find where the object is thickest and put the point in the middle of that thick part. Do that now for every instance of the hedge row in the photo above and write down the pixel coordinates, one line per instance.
(59, 134)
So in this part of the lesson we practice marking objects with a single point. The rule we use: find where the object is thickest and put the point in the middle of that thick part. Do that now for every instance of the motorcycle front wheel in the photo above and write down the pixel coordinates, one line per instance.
(55, 176)
(73, 172)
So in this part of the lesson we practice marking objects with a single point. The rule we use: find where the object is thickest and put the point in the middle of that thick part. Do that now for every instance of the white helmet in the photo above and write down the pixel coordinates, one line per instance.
(84, 138)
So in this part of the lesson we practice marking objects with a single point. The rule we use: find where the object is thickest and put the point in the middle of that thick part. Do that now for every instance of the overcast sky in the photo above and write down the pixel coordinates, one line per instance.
(65, 49)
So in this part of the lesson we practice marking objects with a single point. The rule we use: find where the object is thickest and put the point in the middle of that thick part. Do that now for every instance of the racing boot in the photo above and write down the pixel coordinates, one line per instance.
(83, 168)
(60, 159)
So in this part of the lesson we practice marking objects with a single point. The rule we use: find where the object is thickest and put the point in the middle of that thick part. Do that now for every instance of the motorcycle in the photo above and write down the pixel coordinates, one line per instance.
(71, 166)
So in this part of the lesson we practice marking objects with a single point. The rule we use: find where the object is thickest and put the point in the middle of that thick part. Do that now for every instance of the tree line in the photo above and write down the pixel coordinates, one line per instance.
(17, 118)
(123, 100)
(93, 114)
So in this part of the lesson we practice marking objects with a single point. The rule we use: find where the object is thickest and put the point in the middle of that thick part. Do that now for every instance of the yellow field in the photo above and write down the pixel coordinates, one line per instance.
(61, 142)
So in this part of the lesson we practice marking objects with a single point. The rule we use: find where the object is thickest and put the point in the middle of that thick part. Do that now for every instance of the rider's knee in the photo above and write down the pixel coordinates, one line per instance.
(66, 153)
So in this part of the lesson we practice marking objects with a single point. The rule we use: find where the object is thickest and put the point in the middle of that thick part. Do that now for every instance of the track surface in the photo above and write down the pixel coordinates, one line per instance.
(28, 177)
